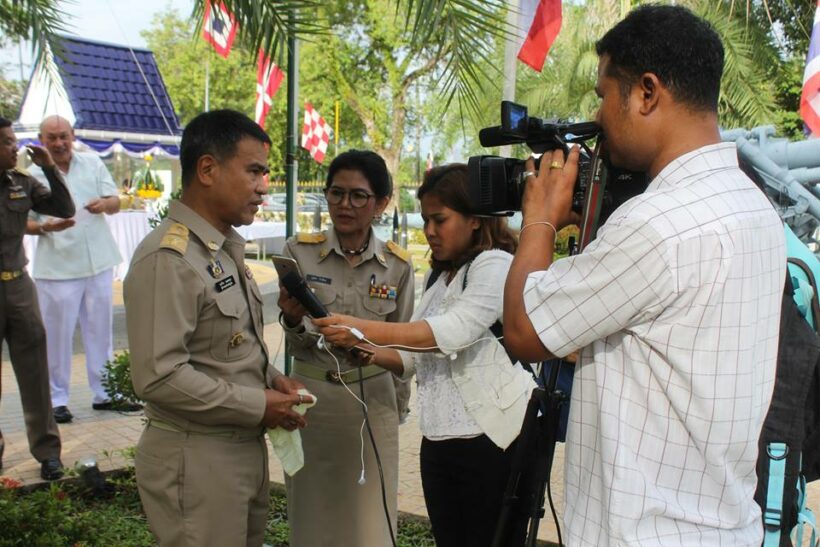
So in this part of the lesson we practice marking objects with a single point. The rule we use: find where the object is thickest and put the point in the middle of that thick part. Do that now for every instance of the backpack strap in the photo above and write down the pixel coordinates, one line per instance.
(773, 515)
(805, 516)
(809, 293)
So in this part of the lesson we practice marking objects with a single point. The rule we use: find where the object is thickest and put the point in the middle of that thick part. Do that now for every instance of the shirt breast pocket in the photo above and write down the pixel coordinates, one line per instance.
(380, 308)
(230, 339)
(18, 213)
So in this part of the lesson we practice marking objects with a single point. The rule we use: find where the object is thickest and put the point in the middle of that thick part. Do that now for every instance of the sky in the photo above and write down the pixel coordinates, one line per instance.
(115, 21)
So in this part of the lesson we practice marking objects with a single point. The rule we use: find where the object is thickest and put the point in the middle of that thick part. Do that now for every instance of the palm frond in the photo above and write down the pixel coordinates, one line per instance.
(40, 21)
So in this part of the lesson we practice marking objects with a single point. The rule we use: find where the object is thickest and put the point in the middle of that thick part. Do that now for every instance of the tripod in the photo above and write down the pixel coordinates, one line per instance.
(531, 466)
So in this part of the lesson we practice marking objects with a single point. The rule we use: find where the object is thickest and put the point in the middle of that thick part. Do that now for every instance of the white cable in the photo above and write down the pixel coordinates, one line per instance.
(358, 334)
(364, 405)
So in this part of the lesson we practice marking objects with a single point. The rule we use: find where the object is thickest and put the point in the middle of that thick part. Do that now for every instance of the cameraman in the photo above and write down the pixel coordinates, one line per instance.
(674, 307)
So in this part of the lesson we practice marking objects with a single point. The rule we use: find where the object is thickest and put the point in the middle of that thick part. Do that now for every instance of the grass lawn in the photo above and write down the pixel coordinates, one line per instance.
(65, 514)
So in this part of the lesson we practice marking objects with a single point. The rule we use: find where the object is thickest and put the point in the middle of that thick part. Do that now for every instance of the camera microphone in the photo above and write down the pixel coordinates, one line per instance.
(299, 290)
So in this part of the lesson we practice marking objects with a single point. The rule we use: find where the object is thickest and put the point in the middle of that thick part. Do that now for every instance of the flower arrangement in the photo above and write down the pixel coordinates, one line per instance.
(148, 185)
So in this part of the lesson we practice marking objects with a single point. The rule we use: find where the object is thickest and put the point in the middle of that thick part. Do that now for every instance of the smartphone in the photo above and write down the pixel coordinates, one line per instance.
(284, 265)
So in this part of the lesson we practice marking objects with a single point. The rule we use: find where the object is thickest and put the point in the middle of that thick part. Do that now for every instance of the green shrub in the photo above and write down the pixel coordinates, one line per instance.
(117, 380)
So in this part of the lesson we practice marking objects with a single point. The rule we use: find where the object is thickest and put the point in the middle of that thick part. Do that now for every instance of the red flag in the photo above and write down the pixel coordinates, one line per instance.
(268, 79)
(544, 29)
(219, 28)
(315, 134)
(810, 97)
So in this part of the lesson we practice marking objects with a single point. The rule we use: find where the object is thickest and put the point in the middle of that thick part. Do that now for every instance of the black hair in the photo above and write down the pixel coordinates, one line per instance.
(680, 48)
(449, 184)
(216, 133)
(369, 164)
(4, 122)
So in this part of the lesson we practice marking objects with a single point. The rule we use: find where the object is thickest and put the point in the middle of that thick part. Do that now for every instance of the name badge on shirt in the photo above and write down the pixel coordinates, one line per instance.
(17, 195)
(225, 284)
(318, 279)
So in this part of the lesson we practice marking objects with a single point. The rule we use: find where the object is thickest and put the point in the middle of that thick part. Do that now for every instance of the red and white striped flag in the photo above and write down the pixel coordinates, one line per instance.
(268, 79)
(219, 28)
(315, 134)
(546, 23)
(810, 98)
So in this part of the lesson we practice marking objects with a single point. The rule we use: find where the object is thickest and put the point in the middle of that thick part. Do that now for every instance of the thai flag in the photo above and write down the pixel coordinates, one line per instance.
(810, 98)
(219, 28)
(544, 24)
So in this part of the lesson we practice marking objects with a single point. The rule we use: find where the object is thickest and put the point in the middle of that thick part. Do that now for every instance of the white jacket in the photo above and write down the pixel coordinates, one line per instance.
(494, 392)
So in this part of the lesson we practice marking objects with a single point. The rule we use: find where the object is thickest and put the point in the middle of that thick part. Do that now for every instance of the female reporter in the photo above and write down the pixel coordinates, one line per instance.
(471, 398)
(350, 271)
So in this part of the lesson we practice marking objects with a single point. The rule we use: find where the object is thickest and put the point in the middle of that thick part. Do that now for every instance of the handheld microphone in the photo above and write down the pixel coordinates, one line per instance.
(299, 290)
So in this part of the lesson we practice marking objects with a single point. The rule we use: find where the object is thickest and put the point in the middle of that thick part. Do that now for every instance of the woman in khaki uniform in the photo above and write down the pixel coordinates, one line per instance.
(351, 272)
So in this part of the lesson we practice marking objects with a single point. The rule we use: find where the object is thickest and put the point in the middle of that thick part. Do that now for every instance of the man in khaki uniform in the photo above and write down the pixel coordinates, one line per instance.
(20, 320)
(194, 315)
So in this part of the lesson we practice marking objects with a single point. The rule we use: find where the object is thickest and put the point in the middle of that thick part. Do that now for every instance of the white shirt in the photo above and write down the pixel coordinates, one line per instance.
(676, 305)
(441, 411)
(492, 391)
(87, 248)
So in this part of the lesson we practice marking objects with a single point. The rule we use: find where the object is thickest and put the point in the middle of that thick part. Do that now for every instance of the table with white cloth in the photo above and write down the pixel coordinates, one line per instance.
(128, 227)
(266, 235)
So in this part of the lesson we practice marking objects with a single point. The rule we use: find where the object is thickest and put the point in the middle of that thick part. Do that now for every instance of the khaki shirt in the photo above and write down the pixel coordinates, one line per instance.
(380, 287)
(19, 193)
(194, 318)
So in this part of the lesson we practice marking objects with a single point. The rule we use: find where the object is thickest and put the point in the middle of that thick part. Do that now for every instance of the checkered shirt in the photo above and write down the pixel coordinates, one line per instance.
(675, 308)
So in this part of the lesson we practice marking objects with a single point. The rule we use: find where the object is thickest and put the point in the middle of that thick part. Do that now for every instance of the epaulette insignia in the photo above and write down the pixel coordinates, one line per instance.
(176, 238)
(399, 251)
(22, 171)
(312, 239)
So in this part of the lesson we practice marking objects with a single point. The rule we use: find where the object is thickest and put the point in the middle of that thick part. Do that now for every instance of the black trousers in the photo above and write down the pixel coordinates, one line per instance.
(464, 482)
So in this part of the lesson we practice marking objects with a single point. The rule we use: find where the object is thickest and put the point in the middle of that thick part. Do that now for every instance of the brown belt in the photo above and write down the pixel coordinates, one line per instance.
(8, 276)
(349, 376)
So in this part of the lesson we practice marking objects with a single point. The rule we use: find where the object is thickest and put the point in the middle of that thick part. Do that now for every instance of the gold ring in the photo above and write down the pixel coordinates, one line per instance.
(556, 165)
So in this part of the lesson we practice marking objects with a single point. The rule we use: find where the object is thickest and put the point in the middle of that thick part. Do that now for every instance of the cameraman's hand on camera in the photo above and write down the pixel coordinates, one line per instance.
(292, 310)
(548, 195)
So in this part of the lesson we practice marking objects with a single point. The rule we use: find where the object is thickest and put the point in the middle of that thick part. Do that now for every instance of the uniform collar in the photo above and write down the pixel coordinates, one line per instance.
(212, 238)
(374, 249)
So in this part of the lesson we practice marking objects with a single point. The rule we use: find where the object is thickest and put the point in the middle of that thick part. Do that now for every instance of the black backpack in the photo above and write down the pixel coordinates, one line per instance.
(789, 443)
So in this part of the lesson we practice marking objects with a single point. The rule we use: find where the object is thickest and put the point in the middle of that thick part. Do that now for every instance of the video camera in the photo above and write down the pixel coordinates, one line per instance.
(496, 184)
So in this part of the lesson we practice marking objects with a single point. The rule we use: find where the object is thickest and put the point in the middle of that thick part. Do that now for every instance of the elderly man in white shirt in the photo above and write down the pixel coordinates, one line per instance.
(74, 266)
(675, 306)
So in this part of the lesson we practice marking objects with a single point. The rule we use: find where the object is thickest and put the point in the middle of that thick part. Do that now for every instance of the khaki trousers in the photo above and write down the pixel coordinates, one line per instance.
(200, 490)
(22, 328)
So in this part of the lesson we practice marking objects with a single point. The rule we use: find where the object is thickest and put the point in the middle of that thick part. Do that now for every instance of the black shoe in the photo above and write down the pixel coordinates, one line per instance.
(62, 415)
(51, 469)
(122, 406)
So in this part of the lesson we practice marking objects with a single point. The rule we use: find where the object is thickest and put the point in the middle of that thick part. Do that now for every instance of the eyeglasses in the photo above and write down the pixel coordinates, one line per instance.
(358, 198)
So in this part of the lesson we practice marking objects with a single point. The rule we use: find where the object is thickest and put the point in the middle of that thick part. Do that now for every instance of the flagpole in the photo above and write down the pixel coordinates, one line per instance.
(291, 165)
(207, 83)
(336, 132)
(510, 53)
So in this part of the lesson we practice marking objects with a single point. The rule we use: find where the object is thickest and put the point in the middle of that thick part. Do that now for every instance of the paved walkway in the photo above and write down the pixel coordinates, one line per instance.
(110, 436)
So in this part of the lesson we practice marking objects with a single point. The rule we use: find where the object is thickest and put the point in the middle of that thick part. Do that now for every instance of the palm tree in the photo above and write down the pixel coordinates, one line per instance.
(458, 25)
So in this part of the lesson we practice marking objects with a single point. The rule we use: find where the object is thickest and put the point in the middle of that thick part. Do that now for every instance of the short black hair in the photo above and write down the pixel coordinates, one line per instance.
(4, 122)
(680, 48)
(369, 164)
(217, 133)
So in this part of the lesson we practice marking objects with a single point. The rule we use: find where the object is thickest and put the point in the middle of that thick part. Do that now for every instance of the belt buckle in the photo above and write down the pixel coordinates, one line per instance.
(6, 276)
(333, 377)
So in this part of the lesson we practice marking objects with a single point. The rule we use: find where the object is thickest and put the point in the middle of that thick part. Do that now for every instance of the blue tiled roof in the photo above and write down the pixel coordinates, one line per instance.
(109, 92)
